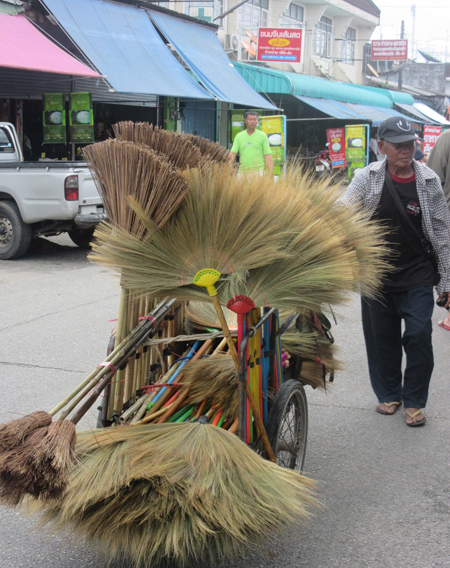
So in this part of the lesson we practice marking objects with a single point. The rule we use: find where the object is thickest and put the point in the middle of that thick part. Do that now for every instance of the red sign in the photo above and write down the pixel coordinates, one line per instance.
(430, 135)
(390, 50)
(336, 147)
(279, 44)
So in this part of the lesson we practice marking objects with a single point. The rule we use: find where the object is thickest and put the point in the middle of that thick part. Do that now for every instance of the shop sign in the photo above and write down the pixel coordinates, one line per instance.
(275, 128)
(430, 135)
(336, 147)
(390, 50)
(81, 118)
(355, 143)
(54, 119)
(279, 44)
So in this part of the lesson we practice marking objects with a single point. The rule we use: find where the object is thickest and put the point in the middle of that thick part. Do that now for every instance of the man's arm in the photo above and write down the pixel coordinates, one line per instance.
(231, 157)
(269, 163)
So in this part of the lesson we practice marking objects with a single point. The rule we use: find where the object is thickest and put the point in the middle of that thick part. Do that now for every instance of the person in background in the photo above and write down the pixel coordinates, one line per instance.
(419, 156)
(407, 198)
(253, 148)
(373, 148)
(439, 162)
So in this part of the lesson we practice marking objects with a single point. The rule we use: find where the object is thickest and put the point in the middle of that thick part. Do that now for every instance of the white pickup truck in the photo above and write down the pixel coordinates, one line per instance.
(43, 198)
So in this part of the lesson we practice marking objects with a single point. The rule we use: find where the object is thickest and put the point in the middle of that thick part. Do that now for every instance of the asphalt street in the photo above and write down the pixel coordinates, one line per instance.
(384, 487)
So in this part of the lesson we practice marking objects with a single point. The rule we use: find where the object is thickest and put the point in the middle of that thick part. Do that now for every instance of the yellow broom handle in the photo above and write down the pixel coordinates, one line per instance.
(248, 392)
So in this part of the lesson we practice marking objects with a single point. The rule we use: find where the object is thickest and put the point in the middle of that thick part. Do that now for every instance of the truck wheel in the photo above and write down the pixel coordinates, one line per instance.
(82, 238)
(15, 235)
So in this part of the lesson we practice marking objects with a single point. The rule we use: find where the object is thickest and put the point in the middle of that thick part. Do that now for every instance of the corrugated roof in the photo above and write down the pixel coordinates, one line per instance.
(366, 5)
(11, 7)
(266, 80)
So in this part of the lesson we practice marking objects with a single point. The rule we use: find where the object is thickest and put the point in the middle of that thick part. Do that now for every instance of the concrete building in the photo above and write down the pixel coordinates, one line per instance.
(334, 32)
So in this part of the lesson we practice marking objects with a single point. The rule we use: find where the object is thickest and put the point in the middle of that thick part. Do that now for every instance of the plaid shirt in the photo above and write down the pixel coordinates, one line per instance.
(366, 189)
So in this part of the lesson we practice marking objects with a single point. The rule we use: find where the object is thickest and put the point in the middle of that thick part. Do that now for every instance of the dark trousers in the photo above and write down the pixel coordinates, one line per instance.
(382, 325)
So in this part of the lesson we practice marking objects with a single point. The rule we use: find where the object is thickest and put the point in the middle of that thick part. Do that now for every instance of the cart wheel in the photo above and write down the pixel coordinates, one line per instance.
(287, 426)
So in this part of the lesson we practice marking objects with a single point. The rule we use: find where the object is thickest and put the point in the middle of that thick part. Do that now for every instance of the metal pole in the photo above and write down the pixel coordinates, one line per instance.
(400, 73)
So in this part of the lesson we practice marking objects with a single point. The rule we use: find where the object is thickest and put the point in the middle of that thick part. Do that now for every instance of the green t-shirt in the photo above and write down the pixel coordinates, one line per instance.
(251, 150)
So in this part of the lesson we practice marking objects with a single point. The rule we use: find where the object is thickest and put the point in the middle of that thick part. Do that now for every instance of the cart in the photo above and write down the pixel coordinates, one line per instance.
(282, 396)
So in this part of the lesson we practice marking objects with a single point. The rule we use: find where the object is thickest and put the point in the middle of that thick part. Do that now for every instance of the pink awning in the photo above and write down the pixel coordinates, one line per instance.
(24, 47)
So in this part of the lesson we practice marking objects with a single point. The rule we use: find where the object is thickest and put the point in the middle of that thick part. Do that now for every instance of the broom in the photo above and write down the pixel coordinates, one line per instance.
(123, 170)
(179, 151)
(41, 465)
(180, 492)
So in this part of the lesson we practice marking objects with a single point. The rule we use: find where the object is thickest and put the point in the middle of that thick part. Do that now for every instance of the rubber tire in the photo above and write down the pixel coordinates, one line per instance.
(21, 232)
(82, 238)
(291, 391)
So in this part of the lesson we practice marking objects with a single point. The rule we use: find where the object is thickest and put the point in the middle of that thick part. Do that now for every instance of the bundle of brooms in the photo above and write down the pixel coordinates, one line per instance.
(130, 480)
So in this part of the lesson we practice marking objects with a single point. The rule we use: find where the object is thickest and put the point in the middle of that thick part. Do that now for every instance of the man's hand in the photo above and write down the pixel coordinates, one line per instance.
(444, 298)
(231, 157)
(269, 163)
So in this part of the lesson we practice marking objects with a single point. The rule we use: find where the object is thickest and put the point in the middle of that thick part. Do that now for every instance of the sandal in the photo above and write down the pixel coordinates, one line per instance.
(443, 325)
(413, 415)
(388, 404)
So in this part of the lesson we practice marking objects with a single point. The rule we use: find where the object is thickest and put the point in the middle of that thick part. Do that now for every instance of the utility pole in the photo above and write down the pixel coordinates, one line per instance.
(413, 47)
(400, 73)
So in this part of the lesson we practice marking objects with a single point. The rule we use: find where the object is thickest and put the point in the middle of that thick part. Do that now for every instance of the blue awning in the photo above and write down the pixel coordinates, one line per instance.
(376, 115)
(123, 44)
(202, 51)
(351, 111)
(332, 108)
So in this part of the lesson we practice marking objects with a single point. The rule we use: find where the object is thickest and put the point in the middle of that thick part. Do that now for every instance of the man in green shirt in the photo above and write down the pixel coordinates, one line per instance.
(253, 148)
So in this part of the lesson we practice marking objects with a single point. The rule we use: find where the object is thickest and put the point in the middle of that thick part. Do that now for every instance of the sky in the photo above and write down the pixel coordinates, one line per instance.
(431, 32)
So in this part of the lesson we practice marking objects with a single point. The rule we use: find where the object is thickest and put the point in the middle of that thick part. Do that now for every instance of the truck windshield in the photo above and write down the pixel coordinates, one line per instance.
(6, 144)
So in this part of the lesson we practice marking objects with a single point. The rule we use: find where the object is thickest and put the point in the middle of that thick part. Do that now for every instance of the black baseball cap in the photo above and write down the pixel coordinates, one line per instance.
(396, 130)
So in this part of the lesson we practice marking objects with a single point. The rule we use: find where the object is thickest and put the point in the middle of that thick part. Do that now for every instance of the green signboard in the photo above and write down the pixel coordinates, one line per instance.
(54, 119)
(356, 147)
(81, 118)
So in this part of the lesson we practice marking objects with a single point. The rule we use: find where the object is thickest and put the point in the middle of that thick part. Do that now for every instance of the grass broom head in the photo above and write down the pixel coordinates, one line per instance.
(124, 169)
(366, 238)
(13, 433)
(180, 151)
(202, 315)
(226, 223)
(335, 252)
(179, 492)
(40, 466)
(208, 149)
(18, 477)
(215, 380)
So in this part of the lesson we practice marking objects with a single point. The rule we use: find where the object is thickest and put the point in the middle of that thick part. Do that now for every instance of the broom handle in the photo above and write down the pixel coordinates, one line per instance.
(163, 399)
(184, 392)
(99, 372)
(158, 314)
(248, 392)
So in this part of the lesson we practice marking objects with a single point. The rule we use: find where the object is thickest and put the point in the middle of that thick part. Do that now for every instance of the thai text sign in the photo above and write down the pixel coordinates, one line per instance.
(279, 44)
(336, 147)
(430, 135)
(390, 50)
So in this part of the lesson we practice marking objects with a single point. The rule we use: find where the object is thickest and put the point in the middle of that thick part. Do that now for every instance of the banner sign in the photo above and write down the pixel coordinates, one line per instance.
(355, 143)
(430, 135)
(390, 50)
(81, 118)
(275, 127)
(279, 44)
(54, 119)
(336, 147)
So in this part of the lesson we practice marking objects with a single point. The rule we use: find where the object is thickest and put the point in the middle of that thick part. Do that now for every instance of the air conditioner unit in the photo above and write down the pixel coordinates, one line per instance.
(231, 42)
